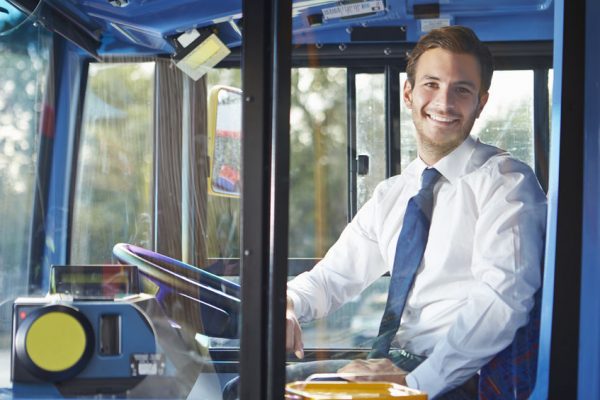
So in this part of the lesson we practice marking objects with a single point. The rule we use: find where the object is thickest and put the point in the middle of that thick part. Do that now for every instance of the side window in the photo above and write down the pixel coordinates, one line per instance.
(318, 180)
(23, 108)
(370, 133)
(113, 193)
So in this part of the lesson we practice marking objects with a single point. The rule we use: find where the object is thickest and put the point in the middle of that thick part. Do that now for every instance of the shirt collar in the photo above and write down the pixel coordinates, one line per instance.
(453, 165)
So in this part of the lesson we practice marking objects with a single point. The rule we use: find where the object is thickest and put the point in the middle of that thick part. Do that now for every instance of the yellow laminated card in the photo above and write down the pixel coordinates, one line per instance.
(350, 390)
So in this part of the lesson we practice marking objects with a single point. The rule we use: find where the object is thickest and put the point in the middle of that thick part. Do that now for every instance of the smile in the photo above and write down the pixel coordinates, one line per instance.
(441, 118)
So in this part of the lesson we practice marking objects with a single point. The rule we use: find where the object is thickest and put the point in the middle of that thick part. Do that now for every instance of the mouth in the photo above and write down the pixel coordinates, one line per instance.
(442, 119)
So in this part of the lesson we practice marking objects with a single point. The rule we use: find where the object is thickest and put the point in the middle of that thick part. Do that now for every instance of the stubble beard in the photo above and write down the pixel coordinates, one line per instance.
(435, 151)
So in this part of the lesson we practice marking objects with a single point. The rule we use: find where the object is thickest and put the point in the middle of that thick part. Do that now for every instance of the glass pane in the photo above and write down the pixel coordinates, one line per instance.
(318, 180)
(408, 141)
(355, 324)
(114, 172)
(24, 60)
(317, 170)
(507, 119)
(370, 132)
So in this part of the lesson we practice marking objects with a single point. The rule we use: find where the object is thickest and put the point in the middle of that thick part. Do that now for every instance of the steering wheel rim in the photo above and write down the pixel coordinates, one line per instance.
(218, 299)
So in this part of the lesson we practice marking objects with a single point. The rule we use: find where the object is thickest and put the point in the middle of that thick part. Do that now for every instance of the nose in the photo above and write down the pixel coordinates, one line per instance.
(443, 99)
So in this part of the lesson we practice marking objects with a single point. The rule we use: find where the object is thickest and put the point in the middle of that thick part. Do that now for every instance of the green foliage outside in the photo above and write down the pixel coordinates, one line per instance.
(24, 66)
(318, 205)
(318, 162)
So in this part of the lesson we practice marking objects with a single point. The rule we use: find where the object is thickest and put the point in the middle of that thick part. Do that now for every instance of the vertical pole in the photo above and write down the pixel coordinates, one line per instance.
(266, 78)
(351, 122)
(392, 119)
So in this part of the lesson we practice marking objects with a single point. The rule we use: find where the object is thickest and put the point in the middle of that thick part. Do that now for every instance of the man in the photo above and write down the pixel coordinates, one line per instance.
(481, 263)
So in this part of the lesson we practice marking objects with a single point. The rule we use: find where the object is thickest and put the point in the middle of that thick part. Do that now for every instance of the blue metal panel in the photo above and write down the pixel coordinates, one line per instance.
(589, 343)
(67, 89)
(144, 27)
(543, 371)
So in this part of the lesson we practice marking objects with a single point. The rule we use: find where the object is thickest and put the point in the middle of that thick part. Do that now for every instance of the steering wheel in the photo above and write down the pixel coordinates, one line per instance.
(172, 281)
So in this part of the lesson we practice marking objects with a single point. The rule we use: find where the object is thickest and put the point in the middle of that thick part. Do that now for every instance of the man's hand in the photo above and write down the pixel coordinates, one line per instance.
(293, 336)
(376, 369)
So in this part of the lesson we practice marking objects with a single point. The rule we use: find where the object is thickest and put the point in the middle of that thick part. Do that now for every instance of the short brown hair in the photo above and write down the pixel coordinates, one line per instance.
(456, 39)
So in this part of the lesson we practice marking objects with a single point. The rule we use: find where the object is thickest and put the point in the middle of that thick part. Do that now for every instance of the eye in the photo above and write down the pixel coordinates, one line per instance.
(463, 90)
(432, 85)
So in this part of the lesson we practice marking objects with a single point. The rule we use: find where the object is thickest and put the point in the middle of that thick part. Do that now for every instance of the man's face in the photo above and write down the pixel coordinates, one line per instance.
(445, 99)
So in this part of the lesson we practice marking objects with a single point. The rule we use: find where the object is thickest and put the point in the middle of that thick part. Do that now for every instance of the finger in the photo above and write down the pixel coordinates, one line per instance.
(298, 344)
(293, 336)
(289, 335)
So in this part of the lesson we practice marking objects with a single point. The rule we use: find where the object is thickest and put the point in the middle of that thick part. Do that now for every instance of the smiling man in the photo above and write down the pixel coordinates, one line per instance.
(461, 230)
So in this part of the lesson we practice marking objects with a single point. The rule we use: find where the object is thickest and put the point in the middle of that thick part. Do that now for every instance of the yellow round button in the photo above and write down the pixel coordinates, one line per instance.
(55, 341)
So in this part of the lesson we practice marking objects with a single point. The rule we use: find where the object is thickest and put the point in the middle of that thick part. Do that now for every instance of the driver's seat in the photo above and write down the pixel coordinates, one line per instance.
(512, 373)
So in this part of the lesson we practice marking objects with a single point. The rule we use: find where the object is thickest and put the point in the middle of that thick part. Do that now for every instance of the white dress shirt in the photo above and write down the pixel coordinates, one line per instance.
(475, 285)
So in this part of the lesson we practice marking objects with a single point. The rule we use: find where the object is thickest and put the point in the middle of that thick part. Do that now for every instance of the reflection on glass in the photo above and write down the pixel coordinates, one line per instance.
(12, 18)
(370, 132)
(354, 325)
(24, 69)
(507, 119)
(114, 172)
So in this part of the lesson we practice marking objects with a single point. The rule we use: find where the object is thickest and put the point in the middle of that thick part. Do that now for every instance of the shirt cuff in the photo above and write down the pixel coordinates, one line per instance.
(426, 379)
(296, 300)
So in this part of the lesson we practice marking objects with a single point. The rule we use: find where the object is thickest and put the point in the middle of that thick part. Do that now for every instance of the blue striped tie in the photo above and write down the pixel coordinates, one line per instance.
(409, 253)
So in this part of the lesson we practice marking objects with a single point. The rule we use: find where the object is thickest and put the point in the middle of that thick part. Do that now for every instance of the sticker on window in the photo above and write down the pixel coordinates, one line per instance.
(353, 10)
(429, 24)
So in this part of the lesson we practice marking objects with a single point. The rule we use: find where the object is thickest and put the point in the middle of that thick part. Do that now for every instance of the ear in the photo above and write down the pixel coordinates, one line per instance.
(482, 102)
(407, 94)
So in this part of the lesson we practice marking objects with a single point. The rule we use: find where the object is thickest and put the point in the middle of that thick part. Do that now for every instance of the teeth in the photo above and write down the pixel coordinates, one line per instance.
(440, 118)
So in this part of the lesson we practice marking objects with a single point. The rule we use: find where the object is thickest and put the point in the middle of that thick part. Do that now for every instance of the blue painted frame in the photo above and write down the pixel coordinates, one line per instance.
(589, 332)
(543, 370)
(71, 74)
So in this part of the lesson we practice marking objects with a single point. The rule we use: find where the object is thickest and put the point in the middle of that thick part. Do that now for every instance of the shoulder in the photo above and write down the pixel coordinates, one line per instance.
(491, 160)
(495, 170)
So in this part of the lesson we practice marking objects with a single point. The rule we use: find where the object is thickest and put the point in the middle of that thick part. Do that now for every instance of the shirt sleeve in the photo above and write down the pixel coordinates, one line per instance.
(351, 264)
(506, 264)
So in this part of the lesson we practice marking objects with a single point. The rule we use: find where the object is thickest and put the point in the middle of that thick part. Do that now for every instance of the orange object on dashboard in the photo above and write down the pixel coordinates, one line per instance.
(350, 390)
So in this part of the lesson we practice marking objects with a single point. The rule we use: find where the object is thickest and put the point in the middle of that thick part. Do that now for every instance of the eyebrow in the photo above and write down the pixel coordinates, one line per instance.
(458, 83)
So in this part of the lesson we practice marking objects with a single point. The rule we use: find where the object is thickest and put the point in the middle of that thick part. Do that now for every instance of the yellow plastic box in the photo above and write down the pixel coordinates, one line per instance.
(350, 390)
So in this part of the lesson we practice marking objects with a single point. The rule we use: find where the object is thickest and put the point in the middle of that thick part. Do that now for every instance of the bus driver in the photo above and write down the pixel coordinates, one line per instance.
(461, 230)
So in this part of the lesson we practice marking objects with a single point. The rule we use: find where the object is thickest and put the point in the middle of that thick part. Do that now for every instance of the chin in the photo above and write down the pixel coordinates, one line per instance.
(442, 142)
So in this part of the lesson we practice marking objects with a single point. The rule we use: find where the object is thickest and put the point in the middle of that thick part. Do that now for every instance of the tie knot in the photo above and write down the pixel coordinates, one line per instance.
(430, 177)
